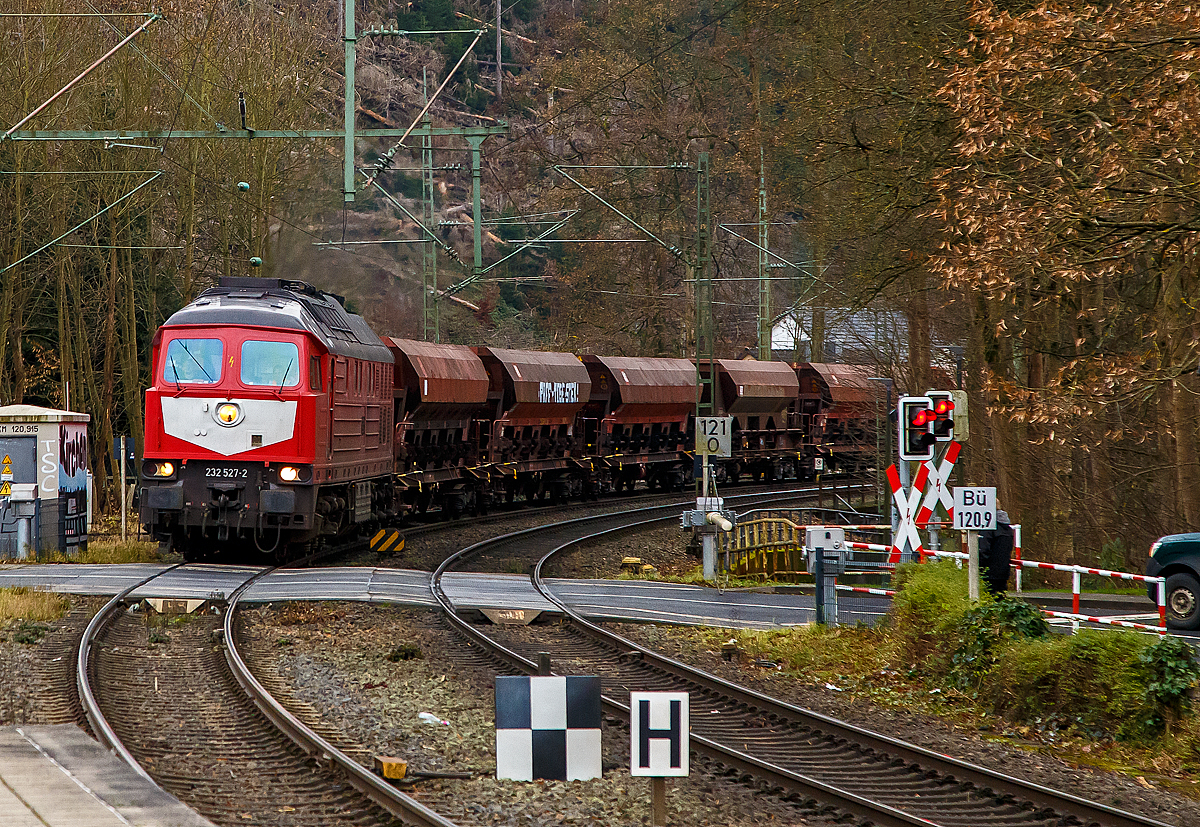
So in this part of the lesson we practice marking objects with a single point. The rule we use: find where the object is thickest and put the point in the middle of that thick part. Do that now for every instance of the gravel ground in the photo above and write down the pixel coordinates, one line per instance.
(18, 677)
(336, 658)
(36, 664)
(1030, 763)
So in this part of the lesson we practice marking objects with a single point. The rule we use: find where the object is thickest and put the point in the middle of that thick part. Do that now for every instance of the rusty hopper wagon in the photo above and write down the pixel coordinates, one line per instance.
(636, 422)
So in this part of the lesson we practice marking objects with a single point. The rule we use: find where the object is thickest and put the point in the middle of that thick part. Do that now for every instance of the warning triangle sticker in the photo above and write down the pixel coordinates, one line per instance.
(7, 459)
(5, 489)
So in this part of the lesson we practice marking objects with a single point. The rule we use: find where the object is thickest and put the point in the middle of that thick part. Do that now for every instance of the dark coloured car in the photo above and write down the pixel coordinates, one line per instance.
(1177, 557)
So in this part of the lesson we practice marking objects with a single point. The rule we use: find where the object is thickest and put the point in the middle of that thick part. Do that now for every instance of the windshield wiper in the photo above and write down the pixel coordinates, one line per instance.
(283, 381)
(175, 371)
(197, 361)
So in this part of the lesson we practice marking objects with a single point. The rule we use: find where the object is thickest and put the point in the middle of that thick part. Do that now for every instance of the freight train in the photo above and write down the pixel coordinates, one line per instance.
(276, 420)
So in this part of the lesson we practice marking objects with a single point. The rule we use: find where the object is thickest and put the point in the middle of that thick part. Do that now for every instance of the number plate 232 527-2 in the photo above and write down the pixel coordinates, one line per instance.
(219, 473)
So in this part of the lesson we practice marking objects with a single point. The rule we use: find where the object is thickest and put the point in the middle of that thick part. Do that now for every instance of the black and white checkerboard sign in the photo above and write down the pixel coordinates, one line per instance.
(548, 727)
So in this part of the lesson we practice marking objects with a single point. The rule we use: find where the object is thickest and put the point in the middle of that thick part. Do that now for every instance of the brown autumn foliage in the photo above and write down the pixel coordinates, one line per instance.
(1048, 148)
(1071, 221)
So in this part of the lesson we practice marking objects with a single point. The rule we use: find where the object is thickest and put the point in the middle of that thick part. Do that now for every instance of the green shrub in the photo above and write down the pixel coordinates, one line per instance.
(1171, 671)
(1092, 682)
(982, 630)
(931, 599)
(30, 633)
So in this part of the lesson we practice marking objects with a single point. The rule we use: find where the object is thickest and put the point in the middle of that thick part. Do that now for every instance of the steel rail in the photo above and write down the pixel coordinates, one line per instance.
(382, 793)
(880, 814)
(982, 777)
(91, 707)
(379, 791)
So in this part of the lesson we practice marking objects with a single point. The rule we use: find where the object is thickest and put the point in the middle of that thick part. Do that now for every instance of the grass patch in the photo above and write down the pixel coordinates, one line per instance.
(834, 654)
(29, 634)
(114, 551)
(695, 577)
(23, 603)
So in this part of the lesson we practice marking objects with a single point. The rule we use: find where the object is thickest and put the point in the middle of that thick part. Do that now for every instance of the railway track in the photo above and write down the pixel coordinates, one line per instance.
(184, 710)
(535, 515)
(232, 750)
(799, 754)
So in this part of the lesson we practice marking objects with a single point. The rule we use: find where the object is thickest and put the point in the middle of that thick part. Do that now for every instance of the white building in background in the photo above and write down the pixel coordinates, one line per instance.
(851, 336)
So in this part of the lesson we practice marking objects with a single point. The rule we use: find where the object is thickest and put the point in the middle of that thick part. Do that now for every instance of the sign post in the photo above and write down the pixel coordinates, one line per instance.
(974, 511)
(658, 732)
(713, 438)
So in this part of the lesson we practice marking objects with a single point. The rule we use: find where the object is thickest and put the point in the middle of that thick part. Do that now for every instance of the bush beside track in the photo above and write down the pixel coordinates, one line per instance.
(1119, 700)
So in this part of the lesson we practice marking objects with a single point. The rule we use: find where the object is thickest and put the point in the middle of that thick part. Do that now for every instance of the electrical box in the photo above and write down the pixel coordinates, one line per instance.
(43, 479)
(830, 543)
(828, 538)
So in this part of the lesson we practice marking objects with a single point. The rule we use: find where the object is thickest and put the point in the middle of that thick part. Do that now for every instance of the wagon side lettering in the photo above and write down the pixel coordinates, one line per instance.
(558, 392)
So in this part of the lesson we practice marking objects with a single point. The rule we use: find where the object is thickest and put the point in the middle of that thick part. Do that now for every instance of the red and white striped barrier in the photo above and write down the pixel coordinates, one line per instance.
(1076, 619)
(1077, 573)
(865, 590)
(867, 546)
(906, 502)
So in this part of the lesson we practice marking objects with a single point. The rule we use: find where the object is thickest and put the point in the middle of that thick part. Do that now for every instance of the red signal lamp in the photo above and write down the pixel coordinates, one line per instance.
(943, 407)
(922, 418)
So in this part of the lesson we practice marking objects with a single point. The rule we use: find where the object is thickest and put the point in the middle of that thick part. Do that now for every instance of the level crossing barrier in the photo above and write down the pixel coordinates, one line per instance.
(772, 547)
(1077, 573)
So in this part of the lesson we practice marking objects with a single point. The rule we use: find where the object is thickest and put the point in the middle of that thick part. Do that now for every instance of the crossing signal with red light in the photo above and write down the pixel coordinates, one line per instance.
(915, 424)
(943, 415)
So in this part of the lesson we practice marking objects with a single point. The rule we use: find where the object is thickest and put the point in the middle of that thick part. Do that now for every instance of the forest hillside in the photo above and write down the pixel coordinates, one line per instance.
(1005, 186)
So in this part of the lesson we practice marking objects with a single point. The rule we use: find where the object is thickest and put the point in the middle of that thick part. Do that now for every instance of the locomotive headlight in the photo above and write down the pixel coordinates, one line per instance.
(289, 473)
(159, 469)
(228, 413)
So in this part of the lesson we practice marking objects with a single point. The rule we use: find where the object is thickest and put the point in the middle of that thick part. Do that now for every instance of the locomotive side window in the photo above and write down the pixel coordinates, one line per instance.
(315, 381)
(194, 361)
(270, 363)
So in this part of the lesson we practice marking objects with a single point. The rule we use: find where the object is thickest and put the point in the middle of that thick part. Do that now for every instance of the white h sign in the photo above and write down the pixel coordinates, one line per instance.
(658, 729)
(974, 509)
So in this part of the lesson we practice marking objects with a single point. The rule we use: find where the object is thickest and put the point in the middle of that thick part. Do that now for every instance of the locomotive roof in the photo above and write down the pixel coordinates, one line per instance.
(282, 303)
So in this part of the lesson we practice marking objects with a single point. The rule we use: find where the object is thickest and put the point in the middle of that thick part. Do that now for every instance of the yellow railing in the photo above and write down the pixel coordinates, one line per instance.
(770, 548)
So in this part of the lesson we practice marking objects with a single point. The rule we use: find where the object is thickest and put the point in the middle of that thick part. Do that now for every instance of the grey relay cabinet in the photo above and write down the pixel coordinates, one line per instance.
(43, 480)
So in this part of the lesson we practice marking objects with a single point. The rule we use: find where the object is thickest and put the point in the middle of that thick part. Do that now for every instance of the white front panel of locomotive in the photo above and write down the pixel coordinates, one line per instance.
(261, 422)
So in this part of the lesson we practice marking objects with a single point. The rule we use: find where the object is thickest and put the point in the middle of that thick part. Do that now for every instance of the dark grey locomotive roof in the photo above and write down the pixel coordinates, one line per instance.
(281, 303)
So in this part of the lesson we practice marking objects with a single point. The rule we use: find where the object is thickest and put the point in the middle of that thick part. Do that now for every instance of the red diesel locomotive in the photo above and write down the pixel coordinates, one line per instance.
(276, 419)
(269, 420)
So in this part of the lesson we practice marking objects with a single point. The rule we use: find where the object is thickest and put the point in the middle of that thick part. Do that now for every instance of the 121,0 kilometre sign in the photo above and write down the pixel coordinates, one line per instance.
(974, 509)
(713, 435)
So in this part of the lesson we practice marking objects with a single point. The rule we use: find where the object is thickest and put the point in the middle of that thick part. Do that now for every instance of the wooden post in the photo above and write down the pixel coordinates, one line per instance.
(658, 793)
